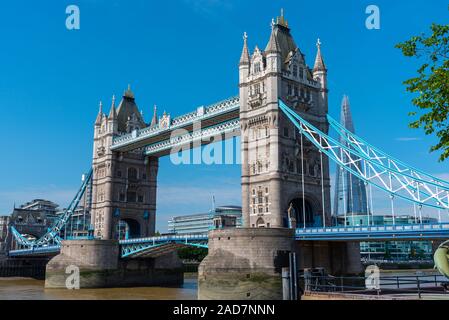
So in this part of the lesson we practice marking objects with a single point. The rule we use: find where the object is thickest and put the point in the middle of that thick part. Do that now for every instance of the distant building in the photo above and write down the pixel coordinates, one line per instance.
(390, 250)
(203, 222)
(4, 221)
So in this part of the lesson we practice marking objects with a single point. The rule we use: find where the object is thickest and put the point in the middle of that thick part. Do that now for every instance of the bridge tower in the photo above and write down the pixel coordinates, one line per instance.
(124, 184)
(279, 170)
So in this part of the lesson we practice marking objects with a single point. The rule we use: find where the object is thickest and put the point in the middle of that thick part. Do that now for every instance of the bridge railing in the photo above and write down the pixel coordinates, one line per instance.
(193, 237)
(178, 122)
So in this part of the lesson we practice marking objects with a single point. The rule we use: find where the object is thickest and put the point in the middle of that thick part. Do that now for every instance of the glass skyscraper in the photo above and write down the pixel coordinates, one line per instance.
(350, 192)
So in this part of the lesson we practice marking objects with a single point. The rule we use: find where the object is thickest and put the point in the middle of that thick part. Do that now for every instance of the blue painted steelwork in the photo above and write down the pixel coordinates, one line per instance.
(49, 250)
(201, 114)
(358, 234)
(52, 237)
(386, 177)
(134, 246)
(376, 233)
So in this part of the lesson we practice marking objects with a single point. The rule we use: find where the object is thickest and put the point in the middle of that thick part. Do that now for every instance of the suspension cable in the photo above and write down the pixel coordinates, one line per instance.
(322, 186)
(303, 184)
(343, 174)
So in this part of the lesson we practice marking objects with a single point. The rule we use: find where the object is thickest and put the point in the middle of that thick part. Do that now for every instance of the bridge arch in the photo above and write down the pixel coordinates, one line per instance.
(312, 213)
(127, 228)
(260, 223)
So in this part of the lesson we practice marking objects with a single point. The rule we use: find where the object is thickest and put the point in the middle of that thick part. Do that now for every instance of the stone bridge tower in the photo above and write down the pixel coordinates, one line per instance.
(124, 184)
(276, 171)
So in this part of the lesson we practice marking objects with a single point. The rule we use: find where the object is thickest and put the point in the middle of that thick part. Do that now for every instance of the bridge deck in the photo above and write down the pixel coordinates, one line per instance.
(153, 246)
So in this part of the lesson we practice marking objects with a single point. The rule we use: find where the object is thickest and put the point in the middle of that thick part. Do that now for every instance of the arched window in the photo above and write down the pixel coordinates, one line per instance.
(132, 173)
(260, 223)
(295, 70)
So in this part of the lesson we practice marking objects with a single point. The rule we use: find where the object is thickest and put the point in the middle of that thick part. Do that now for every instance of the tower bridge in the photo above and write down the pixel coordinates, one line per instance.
(281, 115)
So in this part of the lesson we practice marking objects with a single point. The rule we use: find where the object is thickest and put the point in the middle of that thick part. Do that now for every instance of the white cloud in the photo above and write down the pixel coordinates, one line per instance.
(408, 139)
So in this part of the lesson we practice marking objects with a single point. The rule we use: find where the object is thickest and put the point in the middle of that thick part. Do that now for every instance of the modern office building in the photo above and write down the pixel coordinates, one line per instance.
(201, 223)
(390, 250)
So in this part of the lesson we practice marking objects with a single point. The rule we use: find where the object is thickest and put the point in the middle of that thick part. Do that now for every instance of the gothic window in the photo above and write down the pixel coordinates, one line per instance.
(140, 198)
(257, 67)
(132, 174)
(286, 132)
(259, 197)
(301, 73)
(260, 167)
(302, 92)
(144, 176)
(263, 86)
(289, 89)
(296, 91)
(295, 70)
(257, 88)
(119, 174)
(260, 210)
(121, 196)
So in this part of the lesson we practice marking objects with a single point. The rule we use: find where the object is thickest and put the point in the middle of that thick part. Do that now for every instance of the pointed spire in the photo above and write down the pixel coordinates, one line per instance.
(273, 45)
(281, 20)
(128, 93)
(244, 59)
(154, 120)
(346, 115)
(319, 62)
(100, 114)
(113, 113)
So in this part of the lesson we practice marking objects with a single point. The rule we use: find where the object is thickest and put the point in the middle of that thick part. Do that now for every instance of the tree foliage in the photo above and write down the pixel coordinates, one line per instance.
(431, 84)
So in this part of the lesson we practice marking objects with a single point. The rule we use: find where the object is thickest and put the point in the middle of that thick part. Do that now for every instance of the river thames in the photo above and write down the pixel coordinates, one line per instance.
(29, 289)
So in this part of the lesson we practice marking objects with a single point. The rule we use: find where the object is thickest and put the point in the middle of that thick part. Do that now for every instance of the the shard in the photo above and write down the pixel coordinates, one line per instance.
(350, 192)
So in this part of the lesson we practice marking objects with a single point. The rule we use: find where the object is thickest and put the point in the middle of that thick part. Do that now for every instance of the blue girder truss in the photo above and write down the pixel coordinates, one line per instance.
(52, 237)
(373, 166)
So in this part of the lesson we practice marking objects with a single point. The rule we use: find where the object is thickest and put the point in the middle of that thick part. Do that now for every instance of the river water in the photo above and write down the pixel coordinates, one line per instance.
(29, 289)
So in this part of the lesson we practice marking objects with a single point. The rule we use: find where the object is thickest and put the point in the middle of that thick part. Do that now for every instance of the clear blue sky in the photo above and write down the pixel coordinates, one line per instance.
(178, 55)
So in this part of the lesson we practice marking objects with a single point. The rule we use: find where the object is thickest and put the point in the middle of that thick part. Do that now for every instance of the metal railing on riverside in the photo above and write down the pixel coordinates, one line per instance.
(388, 285)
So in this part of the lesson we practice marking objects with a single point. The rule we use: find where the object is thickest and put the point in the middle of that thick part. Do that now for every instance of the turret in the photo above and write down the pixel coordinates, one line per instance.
(320, 75)
(112, 118)
(244, 64)
(319, 69)
(154, 119)
(273, 52)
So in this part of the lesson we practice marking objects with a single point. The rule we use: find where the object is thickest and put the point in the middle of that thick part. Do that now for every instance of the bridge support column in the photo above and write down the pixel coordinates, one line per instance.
(337, 258)
(100, 266)
(245, 264)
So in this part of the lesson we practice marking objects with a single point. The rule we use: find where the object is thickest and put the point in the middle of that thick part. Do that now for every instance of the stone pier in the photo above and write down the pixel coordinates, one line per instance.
(100, 266)
(245, 264)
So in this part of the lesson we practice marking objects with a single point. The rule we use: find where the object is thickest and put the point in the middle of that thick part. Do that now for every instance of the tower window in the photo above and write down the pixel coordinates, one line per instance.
(295, 70)
(301, 73)
(257, 67)
(289, 89)
(257, 88)
(132, 174)
(121, 197)
(119, 174)
(140, 198)
(286, 132)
